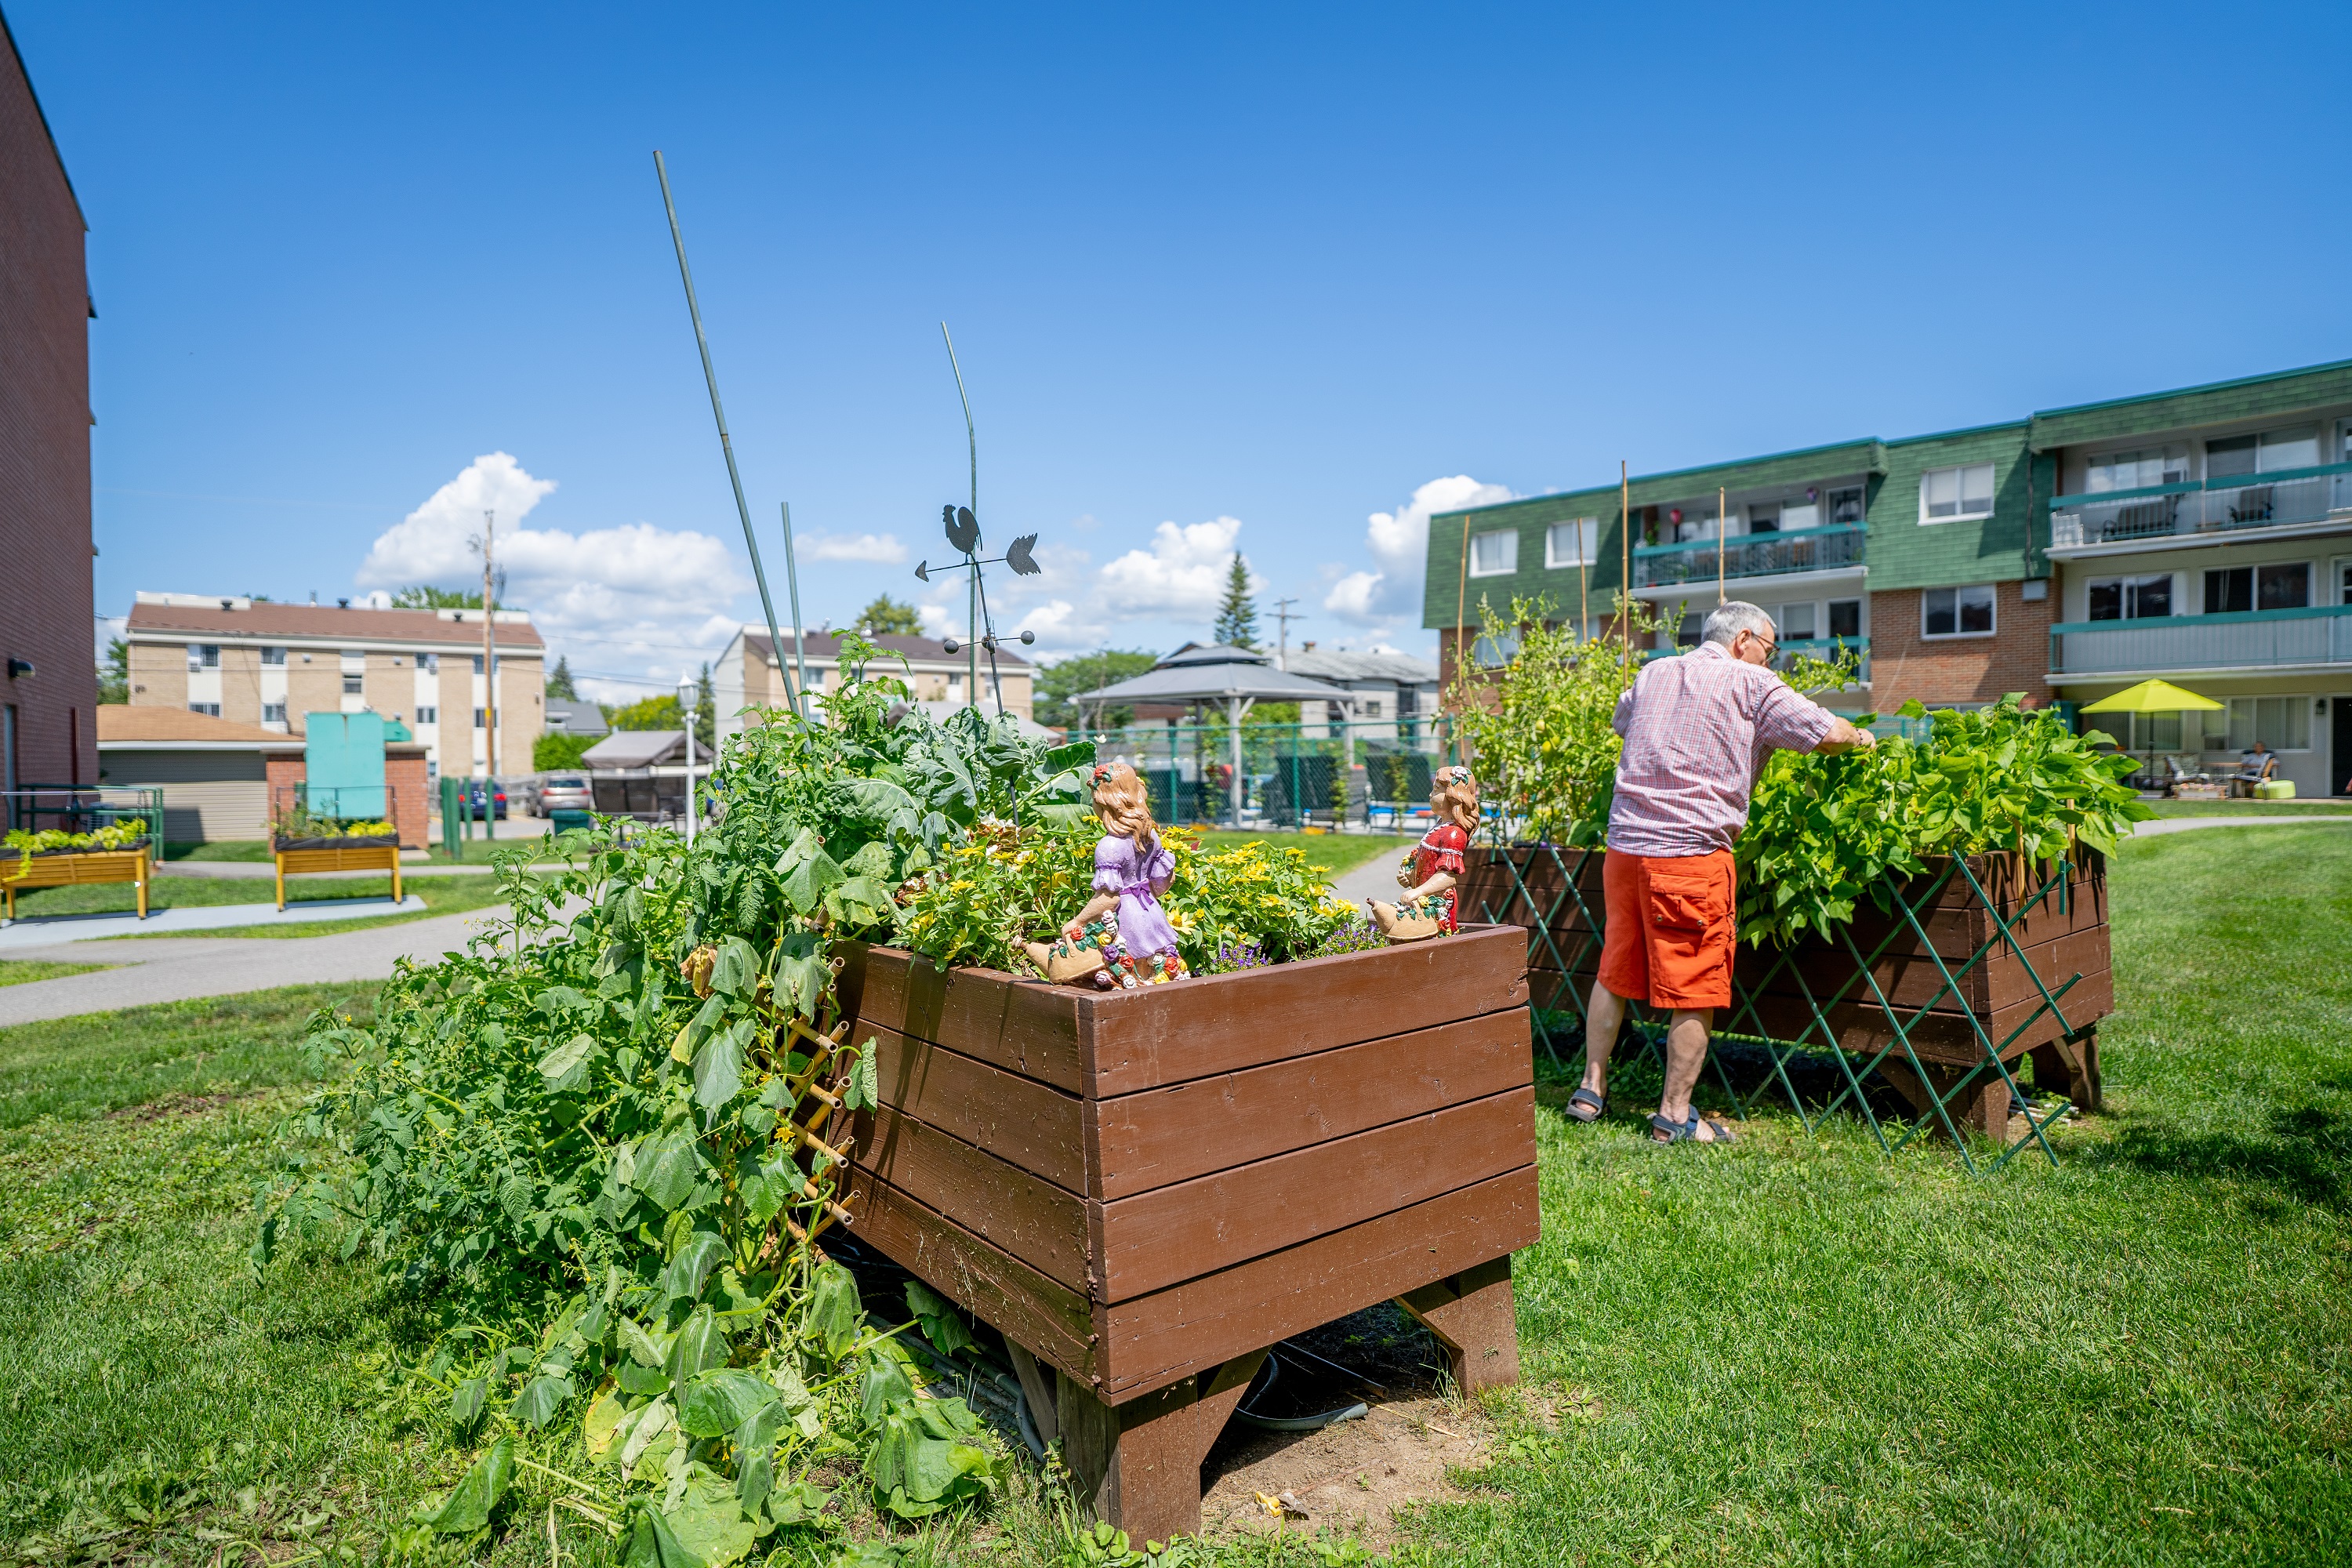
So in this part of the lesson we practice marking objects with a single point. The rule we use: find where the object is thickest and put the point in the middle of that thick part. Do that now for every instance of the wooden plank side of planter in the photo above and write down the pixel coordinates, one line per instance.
(1025, 1121)
(1140, 1142)
(1020, 1025)
(1054, 1321)
(1216, 1024)
(1946, 1037)
(1152, 1341)
(1022, 1214)
(1160, 1238)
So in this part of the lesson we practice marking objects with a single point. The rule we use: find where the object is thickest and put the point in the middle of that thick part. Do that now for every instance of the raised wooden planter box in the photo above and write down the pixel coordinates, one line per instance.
(382, 856)
(1143, 1190)
(2062, 938)
(74, 867)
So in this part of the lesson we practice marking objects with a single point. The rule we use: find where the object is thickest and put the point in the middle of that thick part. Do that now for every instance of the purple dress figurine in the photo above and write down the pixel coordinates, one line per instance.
(1122, 937)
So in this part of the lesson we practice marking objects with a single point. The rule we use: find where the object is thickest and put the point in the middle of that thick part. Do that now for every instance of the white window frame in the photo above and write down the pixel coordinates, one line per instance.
(202, 656)
(273, 713)
(273, 657)
(1960, 472)
(1588, 540)
(428, 713)
(209, 710)
(1992, 595)
(1510, 552)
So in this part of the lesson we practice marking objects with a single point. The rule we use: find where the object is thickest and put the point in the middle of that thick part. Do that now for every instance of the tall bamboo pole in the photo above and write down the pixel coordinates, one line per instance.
(1462, 599)
(800, 649)
(1722, 526)
(489, 677)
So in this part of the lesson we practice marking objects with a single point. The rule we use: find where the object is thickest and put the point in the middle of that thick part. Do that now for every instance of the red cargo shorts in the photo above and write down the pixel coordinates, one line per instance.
(1672, 928)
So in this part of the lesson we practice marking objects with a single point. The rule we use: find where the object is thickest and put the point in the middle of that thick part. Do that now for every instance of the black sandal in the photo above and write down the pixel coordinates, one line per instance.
(1597, 1104)
(1687, 1132)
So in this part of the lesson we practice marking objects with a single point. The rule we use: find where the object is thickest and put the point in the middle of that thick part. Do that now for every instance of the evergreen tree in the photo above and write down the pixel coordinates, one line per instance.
(114, 675)
(886, 617)
(706, 713)
(1237, 616)
(559, 681)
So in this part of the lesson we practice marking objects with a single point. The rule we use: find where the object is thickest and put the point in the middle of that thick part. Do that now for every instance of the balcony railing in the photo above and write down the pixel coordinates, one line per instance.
(1792, 650)
(2210, 506)
(2256, 639)
(1749, 555)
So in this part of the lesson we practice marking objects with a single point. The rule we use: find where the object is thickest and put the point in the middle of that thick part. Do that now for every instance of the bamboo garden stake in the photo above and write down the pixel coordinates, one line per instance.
(1722, 526)
(1625, 552)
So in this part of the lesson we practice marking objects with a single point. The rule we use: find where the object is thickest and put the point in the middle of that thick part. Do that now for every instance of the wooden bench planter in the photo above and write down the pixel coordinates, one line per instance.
(1144, 1190)
(356, 858)
(74, 867)
(2061, 947)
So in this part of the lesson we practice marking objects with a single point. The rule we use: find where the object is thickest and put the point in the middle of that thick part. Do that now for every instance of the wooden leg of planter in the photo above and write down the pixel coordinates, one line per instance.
(2074, 1062)
(1037, 1387)
(1138, 1465)
(1984, 1105)
(1474, 1317)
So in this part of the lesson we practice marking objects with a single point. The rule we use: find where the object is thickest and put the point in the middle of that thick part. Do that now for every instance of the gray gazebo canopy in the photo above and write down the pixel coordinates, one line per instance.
(1237, 677)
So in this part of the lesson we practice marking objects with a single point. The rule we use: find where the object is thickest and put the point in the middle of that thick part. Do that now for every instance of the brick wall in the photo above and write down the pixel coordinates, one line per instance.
(46, 601)
(1944, 670)
(412, 797)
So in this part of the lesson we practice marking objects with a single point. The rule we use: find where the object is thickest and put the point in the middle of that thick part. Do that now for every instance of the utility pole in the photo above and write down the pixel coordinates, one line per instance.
(489, 662)
(1282, 614)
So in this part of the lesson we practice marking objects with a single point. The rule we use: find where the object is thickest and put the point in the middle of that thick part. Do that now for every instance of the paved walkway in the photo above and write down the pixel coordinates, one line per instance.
(55, 931)
(2164, 825)
(264, 870)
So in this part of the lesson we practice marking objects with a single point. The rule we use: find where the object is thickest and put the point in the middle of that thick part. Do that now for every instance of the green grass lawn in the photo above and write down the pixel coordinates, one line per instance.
(21, 971)
(1793, 1351)
(244, 850)
(1332, 853)
(2284, 810)
(444, 894)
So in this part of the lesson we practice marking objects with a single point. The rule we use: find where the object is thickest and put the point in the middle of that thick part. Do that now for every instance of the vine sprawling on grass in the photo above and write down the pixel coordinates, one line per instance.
(1822, 831)
(598, 1135)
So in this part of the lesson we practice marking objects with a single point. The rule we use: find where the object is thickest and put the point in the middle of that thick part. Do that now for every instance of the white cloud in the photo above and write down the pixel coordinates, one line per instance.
(1182, 576)
(880, 548)
(1399, 541)
(634, 600)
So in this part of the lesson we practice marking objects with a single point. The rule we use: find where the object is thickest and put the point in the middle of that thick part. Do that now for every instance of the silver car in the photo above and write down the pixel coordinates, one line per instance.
(564, 791)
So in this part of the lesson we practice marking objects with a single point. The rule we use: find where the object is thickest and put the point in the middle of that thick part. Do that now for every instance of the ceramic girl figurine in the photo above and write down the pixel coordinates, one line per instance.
(1430, 871)
(1123, 923)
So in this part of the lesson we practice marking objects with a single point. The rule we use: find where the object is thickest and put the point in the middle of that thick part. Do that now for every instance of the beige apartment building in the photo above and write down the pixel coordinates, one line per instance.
(263, 664)
(749, 674)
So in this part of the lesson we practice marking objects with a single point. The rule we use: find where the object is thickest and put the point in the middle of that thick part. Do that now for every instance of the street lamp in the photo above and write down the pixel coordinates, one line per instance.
(685, 715)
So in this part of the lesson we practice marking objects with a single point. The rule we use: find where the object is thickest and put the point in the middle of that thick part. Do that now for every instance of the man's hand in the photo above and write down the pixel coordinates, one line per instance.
(1845, 737)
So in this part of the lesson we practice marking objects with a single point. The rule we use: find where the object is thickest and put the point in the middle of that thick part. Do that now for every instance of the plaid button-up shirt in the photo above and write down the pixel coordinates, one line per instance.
(1697, 728)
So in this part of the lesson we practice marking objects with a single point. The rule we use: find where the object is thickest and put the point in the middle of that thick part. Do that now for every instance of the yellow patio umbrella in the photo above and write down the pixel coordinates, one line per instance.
(2152, 697)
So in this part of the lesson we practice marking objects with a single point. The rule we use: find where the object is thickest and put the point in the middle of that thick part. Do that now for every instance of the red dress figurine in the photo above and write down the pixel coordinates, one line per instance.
(1433, 867)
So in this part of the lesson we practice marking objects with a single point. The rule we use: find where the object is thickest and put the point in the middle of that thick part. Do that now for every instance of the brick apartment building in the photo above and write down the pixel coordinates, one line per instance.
(49, 678)
(266, 665)
(2201, 536)
(749, 674)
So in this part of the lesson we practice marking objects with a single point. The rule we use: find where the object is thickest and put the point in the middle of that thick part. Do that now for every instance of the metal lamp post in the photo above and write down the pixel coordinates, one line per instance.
(686, 712)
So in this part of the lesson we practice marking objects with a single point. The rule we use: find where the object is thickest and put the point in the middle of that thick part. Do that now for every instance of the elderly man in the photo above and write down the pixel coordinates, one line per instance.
(1697, 730)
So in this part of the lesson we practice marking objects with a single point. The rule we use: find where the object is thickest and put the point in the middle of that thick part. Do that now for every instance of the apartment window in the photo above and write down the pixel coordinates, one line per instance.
(2153, 732)
(477, 664)
(428, 715)
(274, 656)
(273, 713)
(1494, 649)
(1795, 622)
(2286, 586)
(430, 663)
(2264, 452)
(1956, 611)
(1372, 708)
(1764, 518)
(2131, 599)
(1846, 617)
(351, 685)
(480, 721)
(202, 656)
(1947, 495)
(209, 710)
(2280, 723)
(1845, 506)
(1574, 543)
(2141, 469)
(1495, 555)
(1686, 633)
(1408, 702)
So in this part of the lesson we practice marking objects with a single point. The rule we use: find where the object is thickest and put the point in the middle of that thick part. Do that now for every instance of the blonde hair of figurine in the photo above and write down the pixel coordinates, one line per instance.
(1455, 798)
(1122, 803)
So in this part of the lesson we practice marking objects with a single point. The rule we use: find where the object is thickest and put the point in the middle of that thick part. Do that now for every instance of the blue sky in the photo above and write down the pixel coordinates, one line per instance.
(1242, 278)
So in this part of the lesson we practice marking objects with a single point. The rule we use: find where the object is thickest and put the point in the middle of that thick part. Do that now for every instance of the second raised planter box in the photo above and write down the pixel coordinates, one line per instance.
(1143, 1190)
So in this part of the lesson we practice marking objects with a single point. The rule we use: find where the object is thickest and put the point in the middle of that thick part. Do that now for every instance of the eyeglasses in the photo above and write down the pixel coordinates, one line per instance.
(1771, 644)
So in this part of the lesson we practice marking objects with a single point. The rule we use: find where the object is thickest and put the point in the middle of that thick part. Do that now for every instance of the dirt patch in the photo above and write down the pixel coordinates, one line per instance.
(174, 1105)
(1349, 1478)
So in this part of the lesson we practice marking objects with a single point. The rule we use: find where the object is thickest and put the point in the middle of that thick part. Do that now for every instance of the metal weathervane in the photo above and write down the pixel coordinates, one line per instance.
(962, 526)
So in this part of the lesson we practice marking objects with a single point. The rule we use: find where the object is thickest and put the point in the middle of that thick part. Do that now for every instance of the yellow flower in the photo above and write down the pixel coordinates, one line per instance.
(965, 886)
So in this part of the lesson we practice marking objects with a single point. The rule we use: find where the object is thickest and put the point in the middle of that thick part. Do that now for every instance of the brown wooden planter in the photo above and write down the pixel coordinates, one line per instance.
(1143, 1190)
(2000, 992)
(74, 867)
(382, 855)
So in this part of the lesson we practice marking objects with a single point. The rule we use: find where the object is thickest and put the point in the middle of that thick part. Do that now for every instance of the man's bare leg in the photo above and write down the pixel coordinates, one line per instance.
(1686, 1054)
(1604, 1014)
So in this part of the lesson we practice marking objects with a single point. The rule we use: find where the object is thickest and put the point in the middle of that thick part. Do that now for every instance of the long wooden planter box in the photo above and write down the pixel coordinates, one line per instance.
(1145, 1189)
(383, 856)
(2062, 938)
(74, 867)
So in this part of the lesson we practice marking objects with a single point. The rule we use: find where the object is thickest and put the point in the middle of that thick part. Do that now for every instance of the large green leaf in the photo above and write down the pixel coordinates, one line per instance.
(565, 1068)
(542, 1397)
(737, 969)
(708, 1522)
(718, 1071)
(653, 1544)
(719, 1401)
(690, 1268)
(467, 1507)
(668, 1166)
(700, 1344)
(807, 871)
(833, 1309)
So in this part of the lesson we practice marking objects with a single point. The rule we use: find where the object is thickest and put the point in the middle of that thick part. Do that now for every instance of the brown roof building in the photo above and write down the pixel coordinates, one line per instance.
(750, 675)
(266, 665)
(48, 676)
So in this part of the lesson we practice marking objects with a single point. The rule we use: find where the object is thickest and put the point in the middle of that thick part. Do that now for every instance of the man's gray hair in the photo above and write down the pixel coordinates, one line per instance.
(1726, 622)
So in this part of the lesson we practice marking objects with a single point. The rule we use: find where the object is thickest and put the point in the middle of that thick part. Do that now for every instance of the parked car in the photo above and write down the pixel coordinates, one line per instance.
(564, 791)
(485, 801)
(523, 794)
